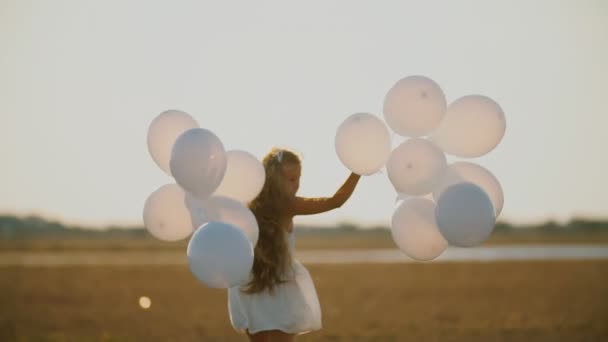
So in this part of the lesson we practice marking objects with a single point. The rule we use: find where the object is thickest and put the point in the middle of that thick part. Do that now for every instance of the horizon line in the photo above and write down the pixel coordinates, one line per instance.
(131, 224)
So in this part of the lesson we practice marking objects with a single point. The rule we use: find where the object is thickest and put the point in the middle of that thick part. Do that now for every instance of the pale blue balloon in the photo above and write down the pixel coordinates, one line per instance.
(220, 255)
(465, 215)
(198, 162)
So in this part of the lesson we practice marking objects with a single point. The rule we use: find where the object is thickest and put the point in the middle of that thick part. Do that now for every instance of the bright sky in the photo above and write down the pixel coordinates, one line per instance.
(80, 81)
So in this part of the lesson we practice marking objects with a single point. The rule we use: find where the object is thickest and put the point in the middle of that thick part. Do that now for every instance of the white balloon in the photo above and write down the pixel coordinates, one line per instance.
(465, 215)
(163, 132)
(416, 166)
(415, 231)
(244, 178)
(404, 197)
(165, 214)
(198, 162)
(459, 172)
(220, 255)
(472, 127)
(363, 143)
(227, 210)
(414, 106)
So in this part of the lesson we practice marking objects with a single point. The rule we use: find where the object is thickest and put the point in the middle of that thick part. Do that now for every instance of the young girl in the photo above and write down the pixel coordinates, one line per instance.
(280, 299)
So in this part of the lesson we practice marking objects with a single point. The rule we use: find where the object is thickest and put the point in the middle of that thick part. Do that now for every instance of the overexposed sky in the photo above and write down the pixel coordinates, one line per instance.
(81, 80)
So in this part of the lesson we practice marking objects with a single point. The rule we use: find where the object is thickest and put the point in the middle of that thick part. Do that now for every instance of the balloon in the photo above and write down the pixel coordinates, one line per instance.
(363, 143)
(163, 132)
(459, 172)
(414, 106)
(165, 214)
(244, 178)
(226, 210)
(465, 215)
(472, 127)
(416, 166)
(404, 197)
(198, 162)
(220, 255)
(196, 207)
(415, 231)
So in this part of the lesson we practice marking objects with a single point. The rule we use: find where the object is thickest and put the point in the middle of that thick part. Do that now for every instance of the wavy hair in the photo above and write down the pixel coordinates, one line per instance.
(272, 258)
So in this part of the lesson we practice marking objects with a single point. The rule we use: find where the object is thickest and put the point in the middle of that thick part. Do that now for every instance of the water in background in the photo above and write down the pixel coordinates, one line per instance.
(333, 256)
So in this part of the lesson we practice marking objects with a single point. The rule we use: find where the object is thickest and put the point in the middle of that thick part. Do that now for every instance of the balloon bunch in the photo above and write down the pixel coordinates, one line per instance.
(207, 200)
(442, 204)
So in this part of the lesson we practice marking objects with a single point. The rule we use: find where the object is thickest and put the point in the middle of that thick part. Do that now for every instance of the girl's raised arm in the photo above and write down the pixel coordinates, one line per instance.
(317, 205)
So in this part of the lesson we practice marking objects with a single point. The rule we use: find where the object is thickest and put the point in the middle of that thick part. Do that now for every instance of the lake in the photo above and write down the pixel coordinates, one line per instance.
(337, 256)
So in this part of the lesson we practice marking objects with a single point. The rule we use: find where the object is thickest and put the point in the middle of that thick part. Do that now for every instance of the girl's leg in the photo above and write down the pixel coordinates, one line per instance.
(271, 336)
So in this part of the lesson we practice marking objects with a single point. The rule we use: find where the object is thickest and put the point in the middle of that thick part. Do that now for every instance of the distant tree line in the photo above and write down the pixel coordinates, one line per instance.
(14, 227)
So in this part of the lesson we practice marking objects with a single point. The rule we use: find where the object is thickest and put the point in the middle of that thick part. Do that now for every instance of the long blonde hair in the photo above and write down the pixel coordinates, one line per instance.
(272, 258)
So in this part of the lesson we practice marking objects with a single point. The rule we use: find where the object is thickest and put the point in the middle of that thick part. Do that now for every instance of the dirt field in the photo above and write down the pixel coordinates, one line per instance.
(506, 301)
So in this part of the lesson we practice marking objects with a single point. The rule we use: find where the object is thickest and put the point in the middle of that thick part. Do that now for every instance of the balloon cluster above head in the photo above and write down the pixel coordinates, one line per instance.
(206, 200)
(442, 204)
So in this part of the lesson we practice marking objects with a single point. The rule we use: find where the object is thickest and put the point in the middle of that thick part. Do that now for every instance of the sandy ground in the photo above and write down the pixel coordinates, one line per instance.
(497, 301)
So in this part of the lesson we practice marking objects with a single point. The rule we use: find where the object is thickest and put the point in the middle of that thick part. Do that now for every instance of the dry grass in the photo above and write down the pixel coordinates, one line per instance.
(507, 301)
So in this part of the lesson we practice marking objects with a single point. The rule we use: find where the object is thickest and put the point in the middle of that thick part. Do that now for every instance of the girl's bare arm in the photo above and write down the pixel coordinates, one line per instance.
(317, 205)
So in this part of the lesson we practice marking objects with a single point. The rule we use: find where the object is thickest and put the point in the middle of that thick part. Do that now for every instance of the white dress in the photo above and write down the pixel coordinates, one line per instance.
(293, 307)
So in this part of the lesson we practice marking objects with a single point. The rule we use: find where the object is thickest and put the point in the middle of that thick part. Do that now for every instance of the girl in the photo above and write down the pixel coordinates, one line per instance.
(280, 299)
